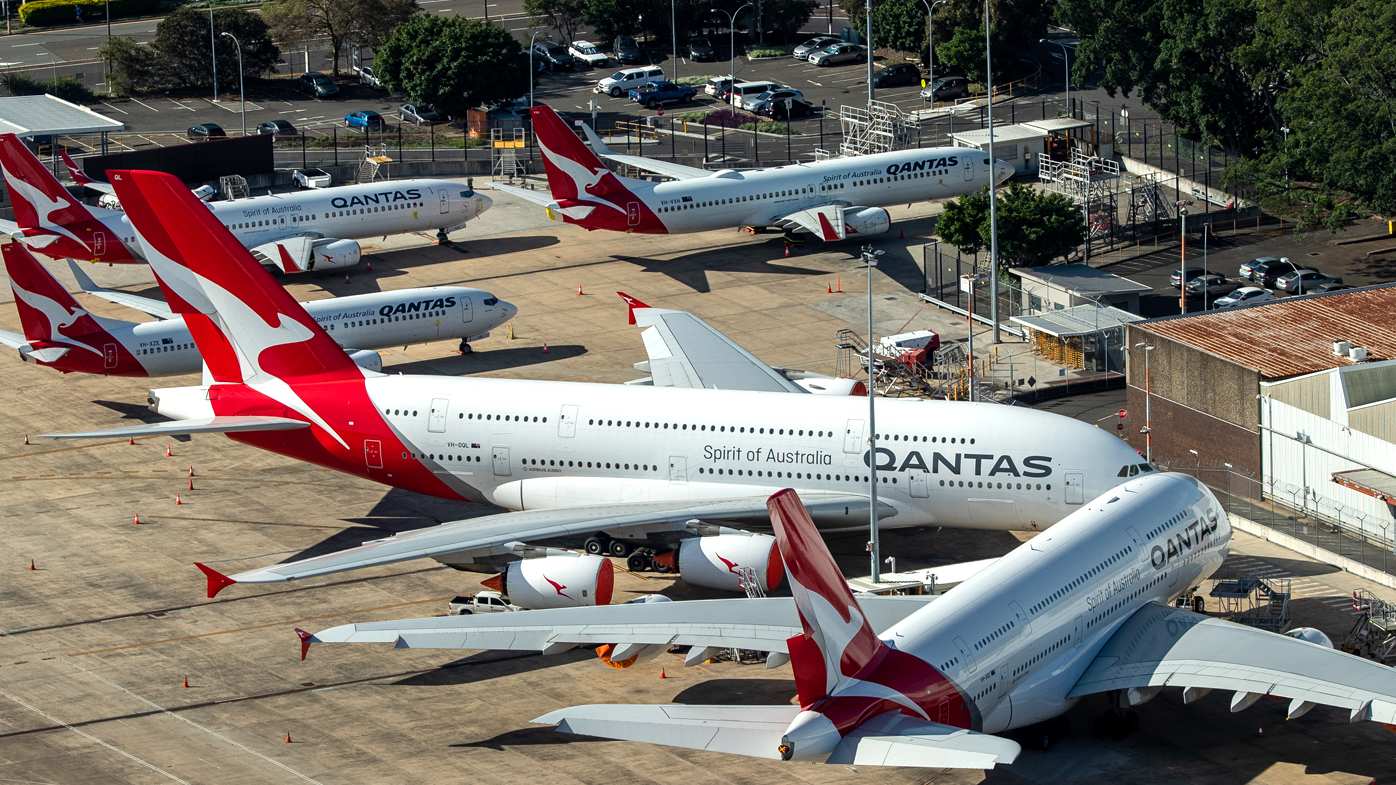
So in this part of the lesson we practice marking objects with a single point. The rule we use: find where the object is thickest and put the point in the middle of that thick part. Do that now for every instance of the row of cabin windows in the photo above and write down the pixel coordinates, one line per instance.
(995, 635)
(439, 457)
(791, 475)
(1159, 529)
(717, 428)
(316, 216)
(387, 319)
(1036, 658)
(174, 347)
(1062, 592)
(644, 467)
(1010, 487)
(737, 200)
(1100, 617)
(944, 666)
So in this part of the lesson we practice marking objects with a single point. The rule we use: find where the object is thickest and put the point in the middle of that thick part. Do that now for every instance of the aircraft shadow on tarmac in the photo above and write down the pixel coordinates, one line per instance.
(484, 666)
(738, 692)
(531, 736)
(493, 360)
(1294, 567)
(134, 411)
(692, 269)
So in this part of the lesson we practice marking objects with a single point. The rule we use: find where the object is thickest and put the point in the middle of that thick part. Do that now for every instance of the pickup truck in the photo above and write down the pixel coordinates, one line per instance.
(480, 602)
(312, 178)
(655, 93)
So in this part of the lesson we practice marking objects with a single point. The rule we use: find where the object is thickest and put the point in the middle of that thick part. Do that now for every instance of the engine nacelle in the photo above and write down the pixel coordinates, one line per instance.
(556, 582)
(1311, 635)
(713, 562)
(334, 254)
(869, 220)
(834, 386)
(368, 359)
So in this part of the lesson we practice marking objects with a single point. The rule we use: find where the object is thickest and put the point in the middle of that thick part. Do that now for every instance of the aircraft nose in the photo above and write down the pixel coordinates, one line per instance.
(1003, 172)
(482, 203)
(510, 310)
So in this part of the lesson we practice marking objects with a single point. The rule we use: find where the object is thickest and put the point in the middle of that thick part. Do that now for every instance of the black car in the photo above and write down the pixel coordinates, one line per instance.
(897, 75)
(553, 56)
(700, 49)
(627, 51)
(277, 127)
(206, 131)
(776, 109)
(1180, 277)
(1266, 272)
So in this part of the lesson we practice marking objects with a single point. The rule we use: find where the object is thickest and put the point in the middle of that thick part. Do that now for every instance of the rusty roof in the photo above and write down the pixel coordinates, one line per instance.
(1292, 336)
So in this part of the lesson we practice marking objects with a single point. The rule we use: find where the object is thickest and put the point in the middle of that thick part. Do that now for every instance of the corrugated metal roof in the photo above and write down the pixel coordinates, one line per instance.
(1077, 320)
(1292, 336)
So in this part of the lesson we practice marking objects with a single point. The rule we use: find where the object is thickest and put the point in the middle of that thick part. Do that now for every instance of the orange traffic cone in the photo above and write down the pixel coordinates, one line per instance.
(177, 499)
(839, 287)
(26, 438)
(661, 674)
(579, 290)
(133, 440)
(787, 252)
(137, 521)
(31, 565)
(828, 288)
(901, 234)
(191, 483)
(168, 452)
(1260, 733)
(191, 471)
(186, 682)
(346, 277)
(288, 737)
(545, 347)
(368, 267)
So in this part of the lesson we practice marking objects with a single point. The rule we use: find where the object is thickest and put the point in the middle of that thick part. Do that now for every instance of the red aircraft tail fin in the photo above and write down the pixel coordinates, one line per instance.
(79, 176)
(47, 312)
(574, 171)
(40, 201)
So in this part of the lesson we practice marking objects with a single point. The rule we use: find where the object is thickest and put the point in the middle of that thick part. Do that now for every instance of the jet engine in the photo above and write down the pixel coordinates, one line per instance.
(869, 220)
(834, 386)
(334, 254)
(367, 359)
(713, 562)
(556, 582)
(1311, 635)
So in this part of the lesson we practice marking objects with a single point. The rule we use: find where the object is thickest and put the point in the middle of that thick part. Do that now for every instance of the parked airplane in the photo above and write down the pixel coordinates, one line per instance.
(834, 199)
(624, 463)
(293, 232)
(1081, 609)
(59, 333)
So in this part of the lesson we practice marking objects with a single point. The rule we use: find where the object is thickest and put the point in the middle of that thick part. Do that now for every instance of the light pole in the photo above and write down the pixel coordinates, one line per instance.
(874, 542)
(1206, 230)
(1148, 429)
(869, 36)
(993, 188)
(242, 96)
(1284, 129)
(674, 30)
(213, 47)
(731, 41)
(930, 46)
(1066, 68)
(1182, 257)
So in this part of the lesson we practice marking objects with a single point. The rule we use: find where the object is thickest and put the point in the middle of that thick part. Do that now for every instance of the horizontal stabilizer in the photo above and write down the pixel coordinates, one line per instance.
(543, 198)
(200, 425)
(155, 308)
(13, 340)
(754, 731)
(894, 739)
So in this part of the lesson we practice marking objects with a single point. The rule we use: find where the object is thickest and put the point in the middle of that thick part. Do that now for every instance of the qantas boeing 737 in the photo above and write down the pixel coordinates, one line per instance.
(834, 199)
(59, 333)
(1082, 609)
(293, 232)
(631, 465)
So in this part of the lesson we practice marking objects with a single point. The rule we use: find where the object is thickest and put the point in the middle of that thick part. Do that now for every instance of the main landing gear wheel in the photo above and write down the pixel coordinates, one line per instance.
(465, 347)
(596, 546)
(442, 238)
(639, 561)
(618, 548)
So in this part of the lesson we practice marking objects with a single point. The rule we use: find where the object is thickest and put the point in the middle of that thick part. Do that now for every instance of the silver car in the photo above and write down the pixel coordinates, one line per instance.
(840, 53)
(803, 51)
(758, 103)
(421, 114)
(1302, 281)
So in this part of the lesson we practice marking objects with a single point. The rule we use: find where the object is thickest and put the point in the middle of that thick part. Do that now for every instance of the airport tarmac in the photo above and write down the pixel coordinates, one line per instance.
(97, 640)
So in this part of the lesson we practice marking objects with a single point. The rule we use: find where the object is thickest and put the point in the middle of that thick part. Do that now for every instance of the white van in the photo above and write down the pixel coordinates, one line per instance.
(743, 90)
(623, 81)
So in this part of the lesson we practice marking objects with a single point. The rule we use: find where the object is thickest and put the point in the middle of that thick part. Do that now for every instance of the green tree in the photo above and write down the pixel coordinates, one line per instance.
(564, 16)
(341, 22)
(182, 44)
(66, 86)
(452, 63)
(782, 19)
(1035, 227)
(130, 67)
(965, 50)
(611, 18)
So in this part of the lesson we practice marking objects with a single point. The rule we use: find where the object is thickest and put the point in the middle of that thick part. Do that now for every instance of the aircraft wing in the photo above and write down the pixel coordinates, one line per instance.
(762, 624)
(686, 351)
(1161, 646)
(155, 308)
(288, 254)
(676, 171)
(229, 424)
(459, 542)
(825, 221)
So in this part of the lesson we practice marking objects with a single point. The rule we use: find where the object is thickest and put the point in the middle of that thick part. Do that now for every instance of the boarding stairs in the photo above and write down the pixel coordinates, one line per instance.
(233, 186)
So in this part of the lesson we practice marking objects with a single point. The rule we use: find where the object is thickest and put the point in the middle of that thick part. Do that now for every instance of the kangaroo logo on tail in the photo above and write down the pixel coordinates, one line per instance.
(578, 180)
(46, 311)
(51, 221)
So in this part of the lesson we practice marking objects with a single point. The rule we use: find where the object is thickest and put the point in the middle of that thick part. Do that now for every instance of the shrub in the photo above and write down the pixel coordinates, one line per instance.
(694, 81)
(61, 12)
(771, 51)
(768, 127)
(694, 117)
(729, 118)
(67, 87)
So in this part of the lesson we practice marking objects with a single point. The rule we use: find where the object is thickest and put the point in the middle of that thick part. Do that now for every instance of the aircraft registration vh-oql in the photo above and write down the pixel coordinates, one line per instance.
(834, 199)
(292, 232)
(626, 464)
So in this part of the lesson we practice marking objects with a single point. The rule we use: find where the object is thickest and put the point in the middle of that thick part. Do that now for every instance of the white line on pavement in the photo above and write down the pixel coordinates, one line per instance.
(113, 108)
(147, 106)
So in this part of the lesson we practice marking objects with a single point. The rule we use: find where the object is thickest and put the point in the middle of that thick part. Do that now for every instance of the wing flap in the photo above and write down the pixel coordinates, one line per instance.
(753, 731)
(543, 199)
(155, 308)
(894, 739)
(236, 424)
(825, 221)
(1161, 646)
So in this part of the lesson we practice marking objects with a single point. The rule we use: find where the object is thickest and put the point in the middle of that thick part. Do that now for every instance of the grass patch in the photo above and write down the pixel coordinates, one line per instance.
(694, 81)
(695, 117)
(772, 51)
(768, 127)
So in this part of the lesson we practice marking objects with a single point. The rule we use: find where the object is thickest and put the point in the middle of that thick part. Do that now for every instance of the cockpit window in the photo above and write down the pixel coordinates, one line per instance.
(1144, 468)
(491, 301)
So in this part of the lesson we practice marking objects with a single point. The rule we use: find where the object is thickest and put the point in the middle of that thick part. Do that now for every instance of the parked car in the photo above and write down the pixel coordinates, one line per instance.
(1244, 296)
(744, 90)
(759, 101)
(480, 602)
(1248, 268)
(1304, 281)
(204, 131)
(421, 114)
(1267, 273)
(1210, 284)
(840, 53)
(652, 94)
(946, 88)
(897, 75)
(589, 53)
(627, 51)
(1324, 288)
(803, 51)
(776, 109)
(700, 49)
(368, 78)
(626, 79)
(317, 85)
(363, 119)
(718, 87)
(279, 127)
(311, 178)
(1180, 277)
(552, 56)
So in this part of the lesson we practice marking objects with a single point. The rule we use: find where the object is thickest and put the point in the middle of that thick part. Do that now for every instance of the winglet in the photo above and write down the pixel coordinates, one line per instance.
(79, 176)
(306, 640)
(830, 234)
(633, 303)
(217, 581)
(85, 282)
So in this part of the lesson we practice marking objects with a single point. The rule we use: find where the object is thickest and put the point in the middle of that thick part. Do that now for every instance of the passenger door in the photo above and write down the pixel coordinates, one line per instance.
(436, 422)
(969, 168)
(445, 201)
(373, 453)
(567, 421)
(678, 469)
(920, 484)
(1075, 488)
(467, 313)
(500, 455)
(853, 437)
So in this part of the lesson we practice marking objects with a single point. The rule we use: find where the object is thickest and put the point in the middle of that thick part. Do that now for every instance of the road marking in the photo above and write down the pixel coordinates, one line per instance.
(17, 46)
(180, 105)
(816, 84)
(113, 108)
(147, 106)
